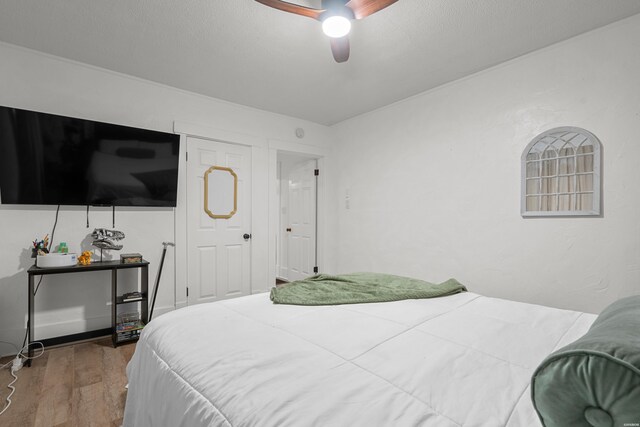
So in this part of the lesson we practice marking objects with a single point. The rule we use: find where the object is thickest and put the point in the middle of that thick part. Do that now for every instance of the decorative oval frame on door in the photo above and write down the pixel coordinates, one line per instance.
(206, 192)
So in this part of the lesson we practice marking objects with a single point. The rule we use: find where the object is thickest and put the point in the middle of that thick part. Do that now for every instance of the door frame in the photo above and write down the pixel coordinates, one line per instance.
(311, 152)
(264, 198)
(186, 131)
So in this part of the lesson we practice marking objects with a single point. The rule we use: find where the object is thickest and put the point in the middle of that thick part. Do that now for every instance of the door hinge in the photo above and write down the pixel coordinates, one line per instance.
(315, 269)
(186, 156)
(316, 172)
(187, 292)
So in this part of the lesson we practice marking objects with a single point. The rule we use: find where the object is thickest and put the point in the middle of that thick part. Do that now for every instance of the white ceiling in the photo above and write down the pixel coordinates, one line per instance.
(244, 52)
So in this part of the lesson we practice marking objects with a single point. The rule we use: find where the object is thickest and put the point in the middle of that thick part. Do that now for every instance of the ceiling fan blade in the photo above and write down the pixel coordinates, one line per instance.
(340, 48)
(363, 8)
(293, 8)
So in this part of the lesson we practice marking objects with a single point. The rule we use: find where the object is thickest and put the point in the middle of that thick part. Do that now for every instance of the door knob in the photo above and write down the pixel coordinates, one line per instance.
(246, 236)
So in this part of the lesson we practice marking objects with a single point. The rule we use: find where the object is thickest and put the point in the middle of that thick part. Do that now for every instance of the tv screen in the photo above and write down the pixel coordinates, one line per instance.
(54, 160)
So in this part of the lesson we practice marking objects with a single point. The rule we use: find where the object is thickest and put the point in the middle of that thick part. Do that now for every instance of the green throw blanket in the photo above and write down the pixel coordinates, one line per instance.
(357, 288)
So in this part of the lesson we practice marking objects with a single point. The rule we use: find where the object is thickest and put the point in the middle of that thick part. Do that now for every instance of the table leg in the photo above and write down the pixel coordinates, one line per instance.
(114, 306)
(144, 288)
(30, 319)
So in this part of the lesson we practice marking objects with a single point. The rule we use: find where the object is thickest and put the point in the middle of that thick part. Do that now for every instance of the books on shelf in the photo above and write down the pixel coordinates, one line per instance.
(128, 335)
(129, 326)
(132, 296)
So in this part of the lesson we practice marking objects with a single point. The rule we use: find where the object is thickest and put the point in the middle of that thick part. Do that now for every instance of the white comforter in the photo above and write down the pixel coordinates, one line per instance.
(462, 360)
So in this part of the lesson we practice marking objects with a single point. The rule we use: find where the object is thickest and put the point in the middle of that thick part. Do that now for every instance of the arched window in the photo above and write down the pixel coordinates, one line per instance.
(561, 174)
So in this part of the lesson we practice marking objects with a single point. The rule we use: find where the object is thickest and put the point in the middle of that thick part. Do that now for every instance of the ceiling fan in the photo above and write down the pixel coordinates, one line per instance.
(336, 17)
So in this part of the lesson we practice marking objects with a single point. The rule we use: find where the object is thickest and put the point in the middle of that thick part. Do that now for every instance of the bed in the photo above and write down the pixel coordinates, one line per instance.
(460, 360)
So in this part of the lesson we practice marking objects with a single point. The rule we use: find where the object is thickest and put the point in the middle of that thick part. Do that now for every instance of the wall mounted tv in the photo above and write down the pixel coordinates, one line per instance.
(54, 160)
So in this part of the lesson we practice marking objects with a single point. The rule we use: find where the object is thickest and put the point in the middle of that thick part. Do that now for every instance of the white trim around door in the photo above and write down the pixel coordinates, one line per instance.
(320, 155)
(264, 202)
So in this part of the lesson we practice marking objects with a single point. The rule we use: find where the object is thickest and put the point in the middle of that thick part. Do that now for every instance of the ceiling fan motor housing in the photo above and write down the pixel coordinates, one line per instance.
(336, 8)
(328, 4)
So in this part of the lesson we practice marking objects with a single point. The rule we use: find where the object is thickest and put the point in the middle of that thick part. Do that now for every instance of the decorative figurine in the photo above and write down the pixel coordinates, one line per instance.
(105, 239)
(85, 258)
(40, 247)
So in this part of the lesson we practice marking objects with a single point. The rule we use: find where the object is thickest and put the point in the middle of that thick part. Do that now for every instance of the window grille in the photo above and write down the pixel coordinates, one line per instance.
(561, 174)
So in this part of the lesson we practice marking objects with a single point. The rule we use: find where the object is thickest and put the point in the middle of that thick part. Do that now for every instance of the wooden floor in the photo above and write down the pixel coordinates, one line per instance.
(77, 385)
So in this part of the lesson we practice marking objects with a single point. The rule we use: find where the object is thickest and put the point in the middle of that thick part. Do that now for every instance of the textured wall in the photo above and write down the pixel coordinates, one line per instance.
(434, 181)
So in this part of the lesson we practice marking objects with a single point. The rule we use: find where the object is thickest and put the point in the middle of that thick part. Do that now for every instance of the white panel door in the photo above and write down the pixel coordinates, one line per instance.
(219, 256)
(301, 232)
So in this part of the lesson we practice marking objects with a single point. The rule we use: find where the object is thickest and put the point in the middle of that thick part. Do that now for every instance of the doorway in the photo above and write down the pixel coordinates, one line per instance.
(297, 237)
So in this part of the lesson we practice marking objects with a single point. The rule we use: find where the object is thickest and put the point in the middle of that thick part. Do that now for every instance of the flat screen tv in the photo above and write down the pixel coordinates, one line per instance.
(54, 160)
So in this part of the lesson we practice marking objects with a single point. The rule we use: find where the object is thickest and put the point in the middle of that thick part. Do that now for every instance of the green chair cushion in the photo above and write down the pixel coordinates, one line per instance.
(594, 381)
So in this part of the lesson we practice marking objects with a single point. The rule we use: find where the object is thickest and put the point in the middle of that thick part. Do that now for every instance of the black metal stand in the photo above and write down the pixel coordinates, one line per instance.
(113, 267)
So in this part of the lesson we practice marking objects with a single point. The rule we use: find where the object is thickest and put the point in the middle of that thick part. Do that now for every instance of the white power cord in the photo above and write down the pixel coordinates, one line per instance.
(16, 365)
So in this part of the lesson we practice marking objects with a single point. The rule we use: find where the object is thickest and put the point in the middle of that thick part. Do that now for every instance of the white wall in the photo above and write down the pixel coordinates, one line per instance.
(434, 181)
(69, 304)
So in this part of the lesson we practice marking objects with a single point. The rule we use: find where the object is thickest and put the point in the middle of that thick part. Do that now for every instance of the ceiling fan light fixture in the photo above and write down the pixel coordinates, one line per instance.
(336, 26)
(336, 17)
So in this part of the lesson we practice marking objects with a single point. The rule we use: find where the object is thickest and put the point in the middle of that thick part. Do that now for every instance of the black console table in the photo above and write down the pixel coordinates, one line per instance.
(116, 299)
